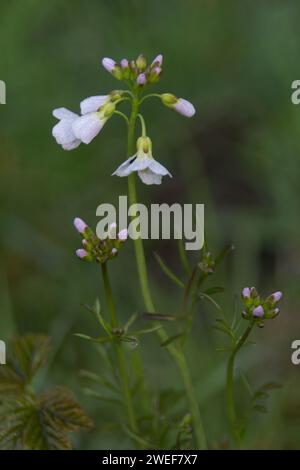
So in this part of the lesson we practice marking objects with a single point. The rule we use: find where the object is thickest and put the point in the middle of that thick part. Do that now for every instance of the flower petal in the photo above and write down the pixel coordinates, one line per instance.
(133, 163)
(64, 113)
(184, 107)
(148, 177)
(141, 163)
(72, 145)
(87, 127)
(124, 169)
(92, 104)
(63, 132)
(158, 168)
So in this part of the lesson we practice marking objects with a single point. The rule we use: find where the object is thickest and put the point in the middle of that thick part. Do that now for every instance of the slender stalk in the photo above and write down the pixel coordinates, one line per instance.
(232, 416)
(177, 355)
(119, 350)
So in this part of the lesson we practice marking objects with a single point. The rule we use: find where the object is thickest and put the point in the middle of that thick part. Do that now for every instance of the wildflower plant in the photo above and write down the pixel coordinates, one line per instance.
(125, 379)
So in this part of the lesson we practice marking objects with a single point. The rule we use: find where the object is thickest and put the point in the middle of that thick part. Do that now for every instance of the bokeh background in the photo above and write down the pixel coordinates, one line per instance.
(239, 155)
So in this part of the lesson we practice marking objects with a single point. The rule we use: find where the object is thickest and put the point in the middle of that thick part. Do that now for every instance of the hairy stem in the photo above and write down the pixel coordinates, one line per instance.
(232, 416)
(119, 350)
(177, 354)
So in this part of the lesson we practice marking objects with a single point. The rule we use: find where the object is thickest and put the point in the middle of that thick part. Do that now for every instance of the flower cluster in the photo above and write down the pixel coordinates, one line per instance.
(138, 72)
(99, 250)
(74, 129)
(258, 308)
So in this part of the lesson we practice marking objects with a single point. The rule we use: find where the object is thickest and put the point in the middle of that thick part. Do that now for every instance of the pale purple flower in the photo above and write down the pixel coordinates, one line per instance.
(124, 63)
(277, 296)
(258, 311)
(80, 225)
(149, 170)
(276, 311)
(63, 130)
(123, 234)
(158, 60)
(114, 251)
(156, 70)
(141, 79)
(246, 293)
(184, 107)
(81, 253)
(108, 64)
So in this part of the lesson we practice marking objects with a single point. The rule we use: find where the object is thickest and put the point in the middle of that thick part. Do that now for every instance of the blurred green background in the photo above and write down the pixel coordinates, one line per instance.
(239, 155)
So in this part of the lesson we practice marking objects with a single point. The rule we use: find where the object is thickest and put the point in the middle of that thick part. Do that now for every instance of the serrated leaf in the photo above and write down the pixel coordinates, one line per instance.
(42, 423)
(27, 354)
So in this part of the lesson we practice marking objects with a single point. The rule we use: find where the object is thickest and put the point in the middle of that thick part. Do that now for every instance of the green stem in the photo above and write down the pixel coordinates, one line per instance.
(151, 95)
(177, 355)
(232, 416)
(119, 350)
(143, 124)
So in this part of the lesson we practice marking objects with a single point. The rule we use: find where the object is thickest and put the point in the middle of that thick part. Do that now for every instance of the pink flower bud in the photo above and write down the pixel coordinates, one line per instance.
(184, 107)
(258, 311)
(246, 293)
(277, 296)
(141, 79)
(80, 225)
(81, 253)
(123, 235)
(156, 70)
(108, 64)
(158, 60)
(124, 63)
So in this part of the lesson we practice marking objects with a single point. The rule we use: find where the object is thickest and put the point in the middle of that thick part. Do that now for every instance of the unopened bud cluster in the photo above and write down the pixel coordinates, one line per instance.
(95, 249)
(207, 264)
(258, 308)
(137, 71)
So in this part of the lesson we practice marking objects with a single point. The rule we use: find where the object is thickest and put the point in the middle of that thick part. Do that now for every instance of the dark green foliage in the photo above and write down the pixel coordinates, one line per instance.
(29, 420)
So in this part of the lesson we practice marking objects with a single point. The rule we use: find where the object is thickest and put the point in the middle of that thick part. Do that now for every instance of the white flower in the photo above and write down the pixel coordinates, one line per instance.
(149, 170)
(63, 131)
(88, 126)
(96, 110)
(93, 103)
(180, 105)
